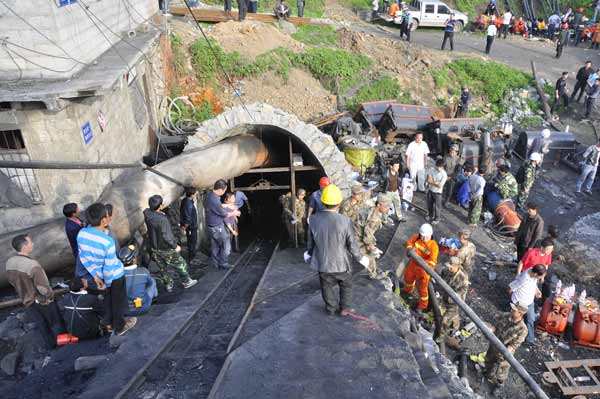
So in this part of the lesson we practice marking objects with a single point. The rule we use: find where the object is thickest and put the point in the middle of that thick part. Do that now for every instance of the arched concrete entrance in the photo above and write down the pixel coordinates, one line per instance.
(238, 120)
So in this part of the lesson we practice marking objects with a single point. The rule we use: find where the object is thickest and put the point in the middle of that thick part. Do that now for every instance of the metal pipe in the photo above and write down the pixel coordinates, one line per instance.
(437, 313)
(533, 386)
(130, 191)
(65, 165)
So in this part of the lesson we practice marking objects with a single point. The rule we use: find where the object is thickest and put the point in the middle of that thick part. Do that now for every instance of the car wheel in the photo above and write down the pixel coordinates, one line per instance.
(458, 27)
(414, 25)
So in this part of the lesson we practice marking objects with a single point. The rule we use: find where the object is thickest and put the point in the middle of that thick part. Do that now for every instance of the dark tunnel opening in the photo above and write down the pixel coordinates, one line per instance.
(265, 186)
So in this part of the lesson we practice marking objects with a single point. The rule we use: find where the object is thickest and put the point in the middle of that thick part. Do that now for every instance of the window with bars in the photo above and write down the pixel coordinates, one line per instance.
(12, 148)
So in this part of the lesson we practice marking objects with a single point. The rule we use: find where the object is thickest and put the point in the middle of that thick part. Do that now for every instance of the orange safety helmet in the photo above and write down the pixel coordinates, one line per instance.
(324, 182)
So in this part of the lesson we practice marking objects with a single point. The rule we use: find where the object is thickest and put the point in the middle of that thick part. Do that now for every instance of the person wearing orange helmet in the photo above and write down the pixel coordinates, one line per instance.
(426, 247)
(314, 202)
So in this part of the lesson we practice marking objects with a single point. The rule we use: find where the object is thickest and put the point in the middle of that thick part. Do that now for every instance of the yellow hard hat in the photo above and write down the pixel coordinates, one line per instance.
(331, 195)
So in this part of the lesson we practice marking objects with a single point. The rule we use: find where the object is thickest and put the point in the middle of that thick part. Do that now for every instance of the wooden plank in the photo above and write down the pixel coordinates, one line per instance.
(282, 169)
(258, 188)
(592, 374)
(573, 363)
(569, 377)
(216, 15)
(293, 185)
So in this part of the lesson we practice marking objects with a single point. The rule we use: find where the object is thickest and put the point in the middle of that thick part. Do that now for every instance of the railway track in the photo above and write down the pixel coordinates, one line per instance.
(188, 366)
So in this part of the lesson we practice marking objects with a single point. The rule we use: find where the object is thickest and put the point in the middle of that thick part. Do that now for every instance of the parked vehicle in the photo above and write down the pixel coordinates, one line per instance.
(430, 13)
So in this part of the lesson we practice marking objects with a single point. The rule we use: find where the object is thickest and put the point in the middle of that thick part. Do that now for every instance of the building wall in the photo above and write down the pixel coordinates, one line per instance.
(57, 136)
(72, 28)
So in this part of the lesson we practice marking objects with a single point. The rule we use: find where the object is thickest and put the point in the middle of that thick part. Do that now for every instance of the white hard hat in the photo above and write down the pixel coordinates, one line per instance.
(426, 230)
(546, 133)
(535, 156)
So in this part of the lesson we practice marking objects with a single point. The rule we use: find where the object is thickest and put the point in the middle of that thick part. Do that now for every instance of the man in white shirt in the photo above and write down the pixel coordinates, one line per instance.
(476, 188)
(436, 178)
(523, 291)
(491, 34)
(416, 159)
(506, 18)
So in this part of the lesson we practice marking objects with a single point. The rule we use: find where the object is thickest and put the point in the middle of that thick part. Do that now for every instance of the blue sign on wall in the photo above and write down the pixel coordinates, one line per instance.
(87, 133)
(62, 3)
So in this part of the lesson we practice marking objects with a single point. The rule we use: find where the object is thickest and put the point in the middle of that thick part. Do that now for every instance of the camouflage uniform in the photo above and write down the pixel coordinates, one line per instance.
(298, 214)
(475, 209)
(459, 282)
(507, 186)
(169, 259)
(529, 179)
(465, 256)
(512, 335)
(372, 223)
(352, 208)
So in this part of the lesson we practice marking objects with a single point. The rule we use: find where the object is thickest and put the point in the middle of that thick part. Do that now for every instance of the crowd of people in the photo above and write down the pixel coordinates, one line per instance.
(587, 81)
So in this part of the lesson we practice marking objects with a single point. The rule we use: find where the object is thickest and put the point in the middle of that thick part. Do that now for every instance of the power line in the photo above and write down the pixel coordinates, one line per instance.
(144, 20)
(41, 33)
(35, 51)
(216, 56)
(16, 64)
(39, 65)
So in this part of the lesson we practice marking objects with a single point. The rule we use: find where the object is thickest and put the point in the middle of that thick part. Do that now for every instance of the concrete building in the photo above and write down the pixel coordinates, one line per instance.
(80, 83)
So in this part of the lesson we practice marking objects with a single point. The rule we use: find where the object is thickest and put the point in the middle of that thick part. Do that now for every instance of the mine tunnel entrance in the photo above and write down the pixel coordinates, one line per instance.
(291, 166)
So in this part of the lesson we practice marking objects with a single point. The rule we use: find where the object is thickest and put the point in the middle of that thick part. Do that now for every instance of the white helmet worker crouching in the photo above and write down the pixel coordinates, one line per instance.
(426, 231)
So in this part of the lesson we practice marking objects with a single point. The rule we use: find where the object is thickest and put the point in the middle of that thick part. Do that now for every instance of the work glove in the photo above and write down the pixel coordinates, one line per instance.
(364, 261)
(294, 221)
(306, 257)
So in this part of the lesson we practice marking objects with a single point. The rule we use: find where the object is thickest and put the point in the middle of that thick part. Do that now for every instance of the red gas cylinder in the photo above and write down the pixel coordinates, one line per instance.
(554, 316)
(586, 326)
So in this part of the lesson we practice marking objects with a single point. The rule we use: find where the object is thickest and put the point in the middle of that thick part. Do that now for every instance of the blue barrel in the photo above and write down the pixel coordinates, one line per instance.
(492, 200)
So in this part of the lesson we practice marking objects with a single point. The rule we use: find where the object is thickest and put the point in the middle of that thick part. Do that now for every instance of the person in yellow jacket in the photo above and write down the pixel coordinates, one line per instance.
(427, 249)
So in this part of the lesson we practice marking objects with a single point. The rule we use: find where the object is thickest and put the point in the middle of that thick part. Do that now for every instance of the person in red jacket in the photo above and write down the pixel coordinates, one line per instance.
(426, 248)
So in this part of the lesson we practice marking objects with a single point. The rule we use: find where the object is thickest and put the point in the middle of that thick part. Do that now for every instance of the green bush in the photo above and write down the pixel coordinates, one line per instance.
(185, 111)
(385, 88)
(312, 8)
(358, 4)
(316, 35)
(489, 79)
(178, 54)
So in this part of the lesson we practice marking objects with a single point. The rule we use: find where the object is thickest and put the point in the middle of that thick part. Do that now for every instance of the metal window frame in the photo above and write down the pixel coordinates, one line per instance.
(25, 179)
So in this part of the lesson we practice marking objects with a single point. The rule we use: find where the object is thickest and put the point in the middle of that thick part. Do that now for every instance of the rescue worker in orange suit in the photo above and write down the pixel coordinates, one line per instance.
(426, 248)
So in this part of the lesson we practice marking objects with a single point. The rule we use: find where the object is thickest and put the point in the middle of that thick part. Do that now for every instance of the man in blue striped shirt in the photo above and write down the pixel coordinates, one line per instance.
(97, 253)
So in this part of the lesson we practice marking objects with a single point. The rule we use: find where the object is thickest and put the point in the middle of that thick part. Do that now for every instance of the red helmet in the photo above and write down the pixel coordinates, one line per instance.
(324, 182)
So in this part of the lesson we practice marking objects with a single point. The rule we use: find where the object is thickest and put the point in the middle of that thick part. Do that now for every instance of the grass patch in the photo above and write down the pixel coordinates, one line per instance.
(187, 111)
(357, 4)
(312, 8)
(469, 7)
(337, 69)
(385, 88)
(316, 35)
(489, 79)
(178, 54)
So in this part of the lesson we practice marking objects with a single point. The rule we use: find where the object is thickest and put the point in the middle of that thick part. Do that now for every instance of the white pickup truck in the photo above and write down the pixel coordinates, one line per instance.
(432, 13)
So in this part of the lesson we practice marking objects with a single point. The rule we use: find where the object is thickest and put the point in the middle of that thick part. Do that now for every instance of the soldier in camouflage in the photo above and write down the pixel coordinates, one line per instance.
(372, 223)
(526, 178)
(506, 184)
(511, 330)
(352, 207)
(458, 280)
(294, 215)
(467, 251)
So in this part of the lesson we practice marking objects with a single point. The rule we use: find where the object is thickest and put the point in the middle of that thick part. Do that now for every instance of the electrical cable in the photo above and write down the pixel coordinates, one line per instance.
(39, 65)
(16, 64)
(144, 20)
(35, 51)
(216, 56)
(41, 33)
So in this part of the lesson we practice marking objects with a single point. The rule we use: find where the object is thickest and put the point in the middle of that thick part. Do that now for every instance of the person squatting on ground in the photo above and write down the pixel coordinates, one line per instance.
(215, 214)
(424, 246)
(530, 230)
(331, 240)
(294, 215)
(393, 184)
(436, 178)
(188, 221)
(452, 166)
(511, 331)
(526, 177)
(449, 32)
(458, 280)
(589, 166)
(370, 225)
(31, 284)
(97, 252)
(82, 311)
(523, 291)
(163, 246)
(560, 92)
(416, 159)
(141, 287)
(476, 187)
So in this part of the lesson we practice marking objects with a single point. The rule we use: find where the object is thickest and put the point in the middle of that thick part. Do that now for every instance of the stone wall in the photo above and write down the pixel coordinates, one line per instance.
(238, 120)
(72, 37)
(57, 136)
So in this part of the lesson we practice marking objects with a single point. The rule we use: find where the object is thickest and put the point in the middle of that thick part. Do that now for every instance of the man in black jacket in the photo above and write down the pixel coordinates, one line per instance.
(530, 230)
(82, 311)
(163, 246)
(582, 76)
(560, 92)
(188, 216)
